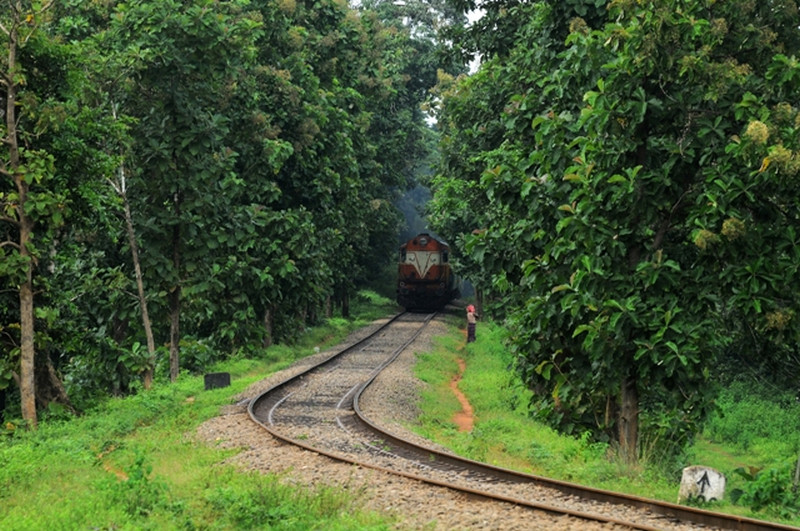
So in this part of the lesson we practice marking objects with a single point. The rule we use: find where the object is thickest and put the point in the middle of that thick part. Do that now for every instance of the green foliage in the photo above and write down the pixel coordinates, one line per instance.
(770, 490)
(612, 179)
(129, 463)
(137, 360)
(749, 415)
(268, 504)
(506, 435)
(197, 355)
(6, 374)
(138, 494)
(374, 299)
(260, 146)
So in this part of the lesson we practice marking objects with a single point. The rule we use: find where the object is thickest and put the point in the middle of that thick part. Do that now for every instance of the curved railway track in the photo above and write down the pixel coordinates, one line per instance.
(318, 410)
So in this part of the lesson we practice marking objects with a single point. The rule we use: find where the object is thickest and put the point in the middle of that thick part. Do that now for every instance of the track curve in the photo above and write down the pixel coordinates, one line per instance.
(319, 410)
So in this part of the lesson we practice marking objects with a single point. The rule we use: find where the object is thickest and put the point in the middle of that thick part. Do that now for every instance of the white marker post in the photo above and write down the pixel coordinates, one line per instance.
(701, 482)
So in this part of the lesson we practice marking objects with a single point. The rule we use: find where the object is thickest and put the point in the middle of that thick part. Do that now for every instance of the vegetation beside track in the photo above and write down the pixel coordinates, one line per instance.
(752, 439)
(129, 464)
(69, 474)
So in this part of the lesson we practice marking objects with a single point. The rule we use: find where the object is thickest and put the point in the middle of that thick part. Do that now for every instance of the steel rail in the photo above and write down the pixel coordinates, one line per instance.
(359, 421)
(670, 510)
(265, 399)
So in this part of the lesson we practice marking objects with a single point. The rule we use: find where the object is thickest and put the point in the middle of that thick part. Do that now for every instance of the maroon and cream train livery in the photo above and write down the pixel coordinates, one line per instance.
(425, 279)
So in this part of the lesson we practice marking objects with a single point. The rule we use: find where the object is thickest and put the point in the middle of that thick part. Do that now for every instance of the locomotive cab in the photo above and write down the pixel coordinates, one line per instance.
(425, 280)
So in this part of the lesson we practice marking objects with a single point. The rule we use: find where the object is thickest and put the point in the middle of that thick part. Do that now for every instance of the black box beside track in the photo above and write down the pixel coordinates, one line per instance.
(215, 380)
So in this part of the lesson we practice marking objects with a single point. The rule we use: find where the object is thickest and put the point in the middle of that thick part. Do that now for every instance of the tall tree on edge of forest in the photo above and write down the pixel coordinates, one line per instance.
(186, 58)
(23, 167)
(631, 166)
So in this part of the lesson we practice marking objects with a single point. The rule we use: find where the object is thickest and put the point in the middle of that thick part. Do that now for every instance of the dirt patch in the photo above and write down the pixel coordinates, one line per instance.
(464, 419)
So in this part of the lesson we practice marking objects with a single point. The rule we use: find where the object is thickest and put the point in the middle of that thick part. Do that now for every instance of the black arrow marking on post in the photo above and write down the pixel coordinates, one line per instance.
(704, 482)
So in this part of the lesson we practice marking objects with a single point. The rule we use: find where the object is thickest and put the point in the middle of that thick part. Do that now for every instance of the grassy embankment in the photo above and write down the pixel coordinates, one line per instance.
(752, 432)
(132, 463)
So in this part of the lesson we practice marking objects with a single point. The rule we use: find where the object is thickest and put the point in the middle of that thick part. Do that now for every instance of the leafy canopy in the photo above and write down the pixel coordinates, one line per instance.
(613, 177)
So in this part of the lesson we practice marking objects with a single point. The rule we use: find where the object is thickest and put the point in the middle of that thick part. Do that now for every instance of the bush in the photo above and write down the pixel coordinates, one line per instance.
(139, 493)
(746, 419)
(197, 355)
(770, 490)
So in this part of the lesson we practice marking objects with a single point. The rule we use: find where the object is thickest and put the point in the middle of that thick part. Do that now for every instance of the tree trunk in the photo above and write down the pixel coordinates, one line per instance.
(2, 406)
(629, 418)
(268, 316)
(27, 349)
(137, 268)
(25, 226)
(175, 304)
(345, 303)
(49, 387)
(121, 189)
(611, 415)
(174, 332)
(479, 301)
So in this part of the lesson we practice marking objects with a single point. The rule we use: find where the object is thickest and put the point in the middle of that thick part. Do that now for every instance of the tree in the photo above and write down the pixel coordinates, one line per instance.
(353, 136)
(254, 148)
(24, 202)
(187, 65)
(121, 188)
(624, 174)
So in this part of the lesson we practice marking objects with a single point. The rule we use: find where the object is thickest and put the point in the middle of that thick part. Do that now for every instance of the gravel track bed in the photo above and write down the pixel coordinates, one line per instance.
(390, 402)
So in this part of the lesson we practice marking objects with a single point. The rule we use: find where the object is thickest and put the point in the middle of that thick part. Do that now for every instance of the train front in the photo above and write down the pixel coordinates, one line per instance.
(424, 275)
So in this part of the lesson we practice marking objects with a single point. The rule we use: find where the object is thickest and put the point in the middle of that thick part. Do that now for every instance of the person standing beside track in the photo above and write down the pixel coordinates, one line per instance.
(472, 318)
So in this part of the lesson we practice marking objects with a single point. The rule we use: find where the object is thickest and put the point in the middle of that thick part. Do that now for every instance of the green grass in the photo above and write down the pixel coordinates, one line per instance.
(132, 463)
(504, 435)
(67, 474)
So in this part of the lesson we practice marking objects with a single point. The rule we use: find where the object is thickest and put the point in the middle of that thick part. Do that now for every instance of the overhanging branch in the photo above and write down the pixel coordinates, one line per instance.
(9, 243)
(8, 219)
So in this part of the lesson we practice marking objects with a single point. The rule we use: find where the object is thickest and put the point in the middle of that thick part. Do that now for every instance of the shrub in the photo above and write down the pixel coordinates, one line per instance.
(769, 489)
(139, 494)
(746, 418)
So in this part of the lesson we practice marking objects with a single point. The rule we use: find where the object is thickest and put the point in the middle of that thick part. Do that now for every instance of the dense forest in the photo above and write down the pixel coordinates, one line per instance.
(620, 180)
(184, 181)
(187, 181)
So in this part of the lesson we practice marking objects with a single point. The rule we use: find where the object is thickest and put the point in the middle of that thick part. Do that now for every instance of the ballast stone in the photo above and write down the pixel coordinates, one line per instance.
(701, 482)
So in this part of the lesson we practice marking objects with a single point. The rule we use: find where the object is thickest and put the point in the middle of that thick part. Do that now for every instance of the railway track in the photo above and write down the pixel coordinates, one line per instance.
(318, 410)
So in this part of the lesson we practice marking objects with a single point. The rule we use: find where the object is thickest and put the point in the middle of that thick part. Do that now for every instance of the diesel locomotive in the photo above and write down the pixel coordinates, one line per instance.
(425, 279)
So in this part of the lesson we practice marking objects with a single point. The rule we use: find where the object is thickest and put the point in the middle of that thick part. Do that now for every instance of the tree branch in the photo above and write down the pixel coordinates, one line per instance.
(667, 223)
(8, 219)
(14, 20)
(35, 24)
(114, 185)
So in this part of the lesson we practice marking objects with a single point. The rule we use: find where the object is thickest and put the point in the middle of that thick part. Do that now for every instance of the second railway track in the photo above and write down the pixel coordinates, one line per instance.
(318, 410)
